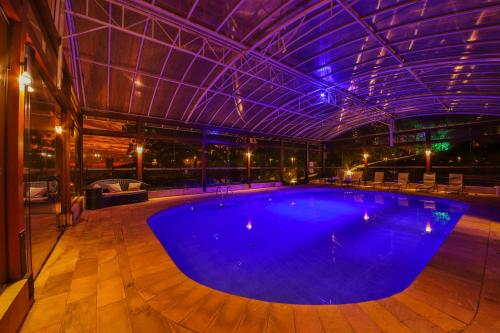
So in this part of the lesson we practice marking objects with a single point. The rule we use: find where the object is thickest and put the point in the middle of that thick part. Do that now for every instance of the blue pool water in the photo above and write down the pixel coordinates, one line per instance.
(307, 245)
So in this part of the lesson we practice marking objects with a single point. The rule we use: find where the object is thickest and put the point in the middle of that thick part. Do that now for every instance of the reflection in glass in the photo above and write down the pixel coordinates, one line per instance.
(42, 171)
(107, 157)
(170, 164)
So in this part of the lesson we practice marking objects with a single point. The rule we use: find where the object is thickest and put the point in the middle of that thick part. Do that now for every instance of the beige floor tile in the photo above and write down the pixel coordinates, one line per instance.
(332, 320)
(358, 319)
(46, 312)
(56, 284)
(383, 318)
(281, 319)
(229, 316)
(82, 288)
(85, 267)
(109, 269)
(111, 274)
(110, 291)
(113, 318)
(80, 316)
(201, 317)
(306, 319)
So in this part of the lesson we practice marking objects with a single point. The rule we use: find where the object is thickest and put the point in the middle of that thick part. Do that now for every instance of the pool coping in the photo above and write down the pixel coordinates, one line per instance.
(456, 291)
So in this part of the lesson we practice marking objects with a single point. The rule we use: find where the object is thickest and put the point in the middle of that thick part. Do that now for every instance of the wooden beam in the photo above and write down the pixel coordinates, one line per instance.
(15, 154)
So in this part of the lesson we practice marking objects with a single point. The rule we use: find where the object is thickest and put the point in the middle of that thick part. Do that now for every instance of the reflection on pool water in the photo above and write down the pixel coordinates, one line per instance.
(307, 245)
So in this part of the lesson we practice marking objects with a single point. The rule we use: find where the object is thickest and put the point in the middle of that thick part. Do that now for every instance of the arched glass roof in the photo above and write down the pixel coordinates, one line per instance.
(303, 69)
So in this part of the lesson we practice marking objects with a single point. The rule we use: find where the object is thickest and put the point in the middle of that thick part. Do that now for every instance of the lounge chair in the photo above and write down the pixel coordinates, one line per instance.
(378, 179)
(353, 179)
(402, 181)
(456, 183)
(337, 178)
(429, 182)
(357, 176)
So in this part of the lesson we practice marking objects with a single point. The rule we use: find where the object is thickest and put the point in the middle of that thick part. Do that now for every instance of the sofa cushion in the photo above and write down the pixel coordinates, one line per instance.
(134, 186)
(37, 192)
(114, 187)
(38, 199)
(122, 193)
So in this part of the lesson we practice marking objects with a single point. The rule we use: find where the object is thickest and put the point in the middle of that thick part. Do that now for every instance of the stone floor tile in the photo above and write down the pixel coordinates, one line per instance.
(82, 287)
(80, 316)
(113, 318)
(110, 291)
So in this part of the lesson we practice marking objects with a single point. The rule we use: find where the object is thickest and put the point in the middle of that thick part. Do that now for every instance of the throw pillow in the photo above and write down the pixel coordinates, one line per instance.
(113, 188)
(134, 186)
(37, 192)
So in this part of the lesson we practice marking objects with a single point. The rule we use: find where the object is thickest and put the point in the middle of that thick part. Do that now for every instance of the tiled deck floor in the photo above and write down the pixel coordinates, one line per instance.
(111, 274)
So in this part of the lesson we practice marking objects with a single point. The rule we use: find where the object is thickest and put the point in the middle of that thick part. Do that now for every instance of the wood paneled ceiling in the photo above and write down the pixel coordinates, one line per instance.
(302, 69)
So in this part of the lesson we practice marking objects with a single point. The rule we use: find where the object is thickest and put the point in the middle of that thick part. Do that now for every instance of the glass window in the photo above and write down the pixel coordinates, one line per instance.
(172, 164)
(107, 157)
(295, 165)
(226, 164)
(42, 148)
(265, 162)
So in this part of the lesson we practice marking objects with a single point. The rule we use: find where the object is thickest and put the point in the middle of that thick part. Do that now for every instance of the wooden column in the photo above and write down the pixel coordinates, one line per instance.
(249, 166)
(323, 160)
(139, 149)
(306, 176)
(282, 161)
(204, 160)
(428, 151)
(16, 225)
(62, 153)
(391, 124)
(139, 160)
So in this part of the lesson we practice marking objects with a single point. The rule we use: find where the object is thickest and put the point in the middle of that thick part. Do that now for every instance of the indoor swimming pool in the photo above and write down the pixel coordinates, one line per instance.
(307, 245)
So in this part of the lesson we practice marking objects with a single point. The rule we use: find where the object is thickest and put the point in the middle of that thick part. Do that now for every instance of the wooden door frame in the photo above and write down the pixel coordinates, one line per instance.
(3, 110)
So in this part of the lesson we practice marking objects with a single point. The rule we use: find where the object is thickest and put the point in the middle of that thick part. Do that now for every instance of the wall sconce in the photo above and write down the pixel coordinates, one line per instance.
(139, 149)
(365, 156)
(25, 80)
(249, 154)
(58, 129)
(428, 152)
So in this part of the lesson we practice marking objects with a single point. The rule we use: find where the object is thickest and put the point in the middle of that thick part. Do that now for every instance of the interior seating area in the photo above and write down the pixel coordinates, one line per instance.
(111, 192)
(249, 166)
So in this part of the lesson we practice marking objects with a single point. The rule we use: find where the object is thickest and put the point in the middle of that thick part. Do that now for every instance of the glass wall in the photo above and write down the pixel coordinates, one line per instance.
(226, 164)
(107, 157)
(172, 156)
(315, 167)
(470, 150)
(295, 164)
(42, 161)
(171, 164)
(265, 162)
